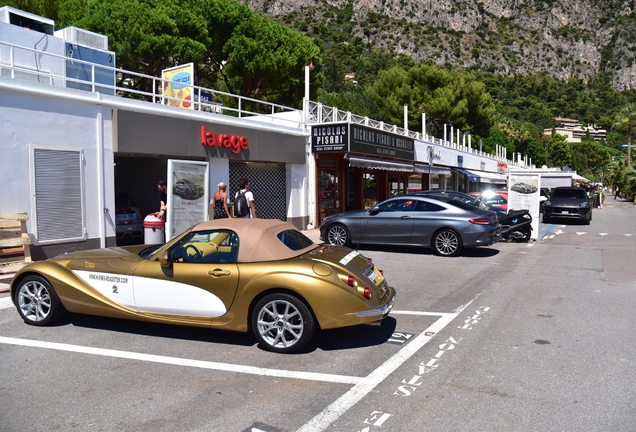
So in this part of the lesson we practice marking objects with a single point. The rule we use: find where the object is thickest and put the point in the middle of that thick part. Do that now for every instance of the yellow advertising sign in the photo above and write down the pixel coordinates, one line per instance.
(178, 86)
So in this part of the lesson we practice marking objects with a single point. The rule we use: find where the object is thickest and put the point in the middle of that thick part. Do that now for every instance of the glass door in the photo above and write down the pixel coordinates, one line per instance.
(369, 189)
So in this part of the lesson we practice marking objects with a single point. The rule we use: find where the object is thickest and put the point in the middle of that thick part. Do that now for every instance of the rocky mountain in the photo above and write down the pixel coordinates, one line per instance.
(564, 38)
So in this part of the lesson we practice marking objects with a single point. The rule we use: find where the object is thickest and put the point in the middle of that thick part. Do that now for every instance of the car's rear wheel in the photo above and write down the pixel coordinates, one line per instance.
(37, 301)
(338, 235)
(527, 233)
(447, 243)
(282, 323)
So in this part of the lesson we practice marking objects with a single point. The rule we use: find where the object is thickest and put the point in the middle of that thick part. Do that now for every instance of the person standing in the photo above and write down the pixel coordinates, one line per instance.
(219, 203)
(163, 200)
(244, 184)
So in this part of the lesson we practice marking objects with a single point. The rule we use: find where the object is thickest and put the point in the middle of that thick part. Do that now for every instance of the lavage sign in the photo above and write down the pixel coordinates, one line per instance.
(237, 143)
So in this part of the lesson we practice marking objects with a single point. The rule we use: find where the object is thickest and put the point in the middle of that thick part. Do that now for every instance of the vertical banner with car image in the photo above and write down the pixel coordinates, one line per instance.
(188, 195)
(523, 194)
(177, 87)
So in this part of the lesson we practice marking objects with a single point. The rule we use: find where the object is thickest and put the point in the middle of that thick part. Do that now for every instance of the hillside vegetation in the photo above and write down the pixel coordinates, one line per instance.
(563, 38)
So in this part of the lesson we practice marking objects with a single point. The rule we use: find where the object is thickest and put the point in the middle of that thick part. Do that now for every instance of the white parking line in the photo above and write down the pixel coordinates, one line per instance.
(5, 303)
(361, 385)
(330, 414)
(341, 379)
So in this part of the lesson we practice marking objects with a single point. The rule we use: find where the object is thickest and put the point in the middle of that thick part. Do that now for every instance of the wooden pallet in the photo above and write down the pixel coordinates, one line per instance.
(15, 242)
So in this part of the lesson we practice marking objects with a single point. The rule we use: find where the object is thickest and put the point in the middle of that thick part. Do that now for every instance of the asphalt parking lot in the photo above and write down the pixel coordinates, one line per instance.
(493, 339)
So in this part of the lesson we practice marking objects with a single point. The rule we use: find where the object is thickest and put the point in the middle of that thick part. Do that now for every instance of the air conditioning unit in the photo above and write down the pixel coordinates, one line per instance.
(83, 37)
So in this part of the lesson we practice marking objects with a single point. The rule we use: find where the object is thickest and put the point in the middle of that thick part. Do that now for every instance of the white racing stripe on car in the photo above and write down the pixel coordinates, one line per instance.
(330, 414)
(310, 376)
(351, 255)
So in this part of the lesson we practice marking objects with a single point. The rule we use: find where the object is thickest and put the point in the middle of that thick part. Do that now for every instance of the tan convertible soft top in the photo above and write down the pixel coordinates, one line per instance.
(258, 239)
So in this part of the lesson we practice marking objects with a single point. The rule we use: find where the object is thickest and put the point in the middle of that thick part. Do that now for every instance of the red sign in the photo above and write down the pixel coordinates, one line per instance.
(236, 142)
(502, 167)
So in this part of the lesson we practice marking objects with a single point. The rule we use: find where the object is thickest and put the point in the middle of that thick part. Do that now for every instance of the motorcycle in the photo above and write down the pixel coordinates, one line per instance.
(516, 225)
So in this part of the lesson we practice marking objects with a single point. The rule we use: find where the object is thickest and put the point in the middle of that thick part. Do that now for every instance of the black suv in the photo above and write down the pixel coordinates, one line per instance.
(568, 202)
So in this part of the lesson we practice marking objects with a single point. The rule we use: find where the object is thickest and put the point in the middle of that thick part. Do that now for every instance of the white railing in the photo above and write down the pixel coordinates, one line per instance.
(49, 68)
(319, 113)
(31, 64)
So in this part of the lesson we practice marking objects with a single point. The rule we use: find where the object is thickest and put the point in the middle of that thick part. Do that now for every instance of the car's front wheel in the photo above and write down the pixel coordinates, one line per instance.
(338, 235)
(282, 323)
(447, 243)
(37, 301)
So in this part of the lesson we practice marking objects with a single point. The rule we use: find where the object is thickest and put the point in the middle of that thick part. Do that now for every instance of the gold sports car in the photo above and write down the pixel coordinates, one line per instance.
(232, 274)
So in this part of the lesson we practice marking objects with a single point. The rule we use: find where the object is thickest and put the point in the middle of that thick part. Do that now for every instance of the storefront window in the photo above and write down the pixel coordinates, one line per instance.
(328, 184)
(449, 183)
(434, 182)
(415, 183)
(370, 191)
(396, 184)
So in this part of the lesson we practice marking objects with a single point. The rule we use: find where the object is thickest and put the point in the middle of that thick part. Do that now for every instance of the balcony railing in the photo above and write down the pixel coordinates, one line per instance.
(49, 68)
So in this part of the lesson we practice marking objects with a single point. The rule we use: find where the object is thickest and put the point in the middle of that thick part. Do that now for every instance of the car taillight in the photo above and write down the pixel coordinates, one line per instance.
(480, 221)
(369, 260)
(382, 272)
(367, 293)
(351, 281)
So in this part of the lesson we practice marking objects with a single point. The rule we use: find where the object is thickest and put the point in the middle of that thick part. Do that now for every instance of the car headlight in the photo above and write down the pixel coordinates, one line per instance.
(547, 202)
(584, 204)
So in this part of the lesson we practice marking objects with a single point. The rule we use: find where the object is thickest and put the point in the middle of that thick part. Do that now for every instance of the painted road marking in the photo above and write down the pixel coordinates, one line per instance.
(361, 385)
(311, 376)
(5, 303)
(345, 402)
(228, 367)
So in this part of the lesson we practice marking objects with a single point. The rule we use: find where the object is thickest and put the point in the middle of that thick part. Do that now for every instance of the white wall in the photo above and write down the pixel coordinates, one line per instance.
(28, 119)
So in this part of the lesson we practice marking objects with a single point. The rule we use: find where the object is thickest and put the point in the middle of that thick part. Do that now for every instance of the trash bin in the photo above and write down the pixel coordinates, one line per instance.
(154, 228)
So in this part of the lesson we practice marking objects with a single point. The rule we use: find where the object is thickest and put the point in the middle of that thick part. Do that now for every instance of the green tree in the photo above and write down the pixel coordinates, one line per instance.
(559, 152)
(590, 157)
(445, 97)
(233, 48)
(497, 138)
(624, 120)
(537, 152)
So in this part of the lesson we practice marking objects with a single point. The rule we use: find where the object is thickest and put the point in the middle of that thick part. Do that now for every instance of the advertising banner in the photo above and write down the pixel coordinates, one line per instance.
(188, 195)
(375, 142)
(523, 193)
(178, 85)
(330, 138)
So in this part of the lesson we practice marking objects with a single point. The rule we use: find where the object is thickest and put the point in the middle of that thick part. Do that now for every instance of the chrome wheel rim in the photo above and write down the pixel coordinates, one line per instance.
(337, 235)
(446, 243)
(34, 301)
(280, 324)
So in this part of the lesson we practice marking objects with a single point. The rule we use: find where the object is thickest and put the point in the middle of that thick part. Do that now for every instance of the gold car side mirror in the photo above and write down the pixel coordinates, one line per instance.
(163, 260)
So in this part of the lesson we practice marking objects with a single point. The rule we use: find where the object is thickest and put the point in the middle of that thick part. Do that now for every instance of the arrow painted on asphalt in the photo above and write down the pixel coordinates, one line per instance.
(603, 234)
(580, 233)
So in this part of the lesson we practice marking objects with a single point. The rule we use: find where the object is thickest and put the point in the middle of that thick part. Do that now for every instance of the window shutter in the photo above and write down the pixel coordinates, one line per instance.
(59, 209)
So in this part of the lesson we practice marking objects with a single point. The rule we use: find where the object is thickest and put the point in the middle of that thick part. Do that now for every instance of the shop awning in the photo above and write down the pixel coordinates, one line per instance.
(552, 180)
(371, 163)
(483, 176)
(433, 170)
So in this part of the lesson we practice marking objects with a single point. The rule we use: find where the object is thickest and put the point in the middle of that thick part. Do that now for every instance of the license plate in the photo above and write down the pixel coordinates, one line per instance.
(124, 216)
(565, 212)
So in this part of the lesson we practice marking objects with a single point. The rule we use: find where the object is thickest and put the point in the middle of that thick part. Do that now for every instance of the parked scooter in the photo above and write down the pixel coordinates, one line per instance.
(516, 225)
